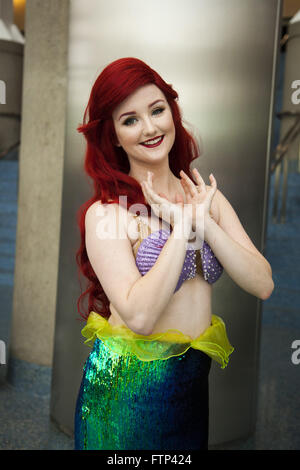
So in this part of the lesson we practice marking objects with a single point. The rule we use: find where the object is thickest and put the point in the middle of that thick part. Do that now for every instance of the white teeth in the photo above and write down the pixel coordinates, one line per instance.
(154, 141)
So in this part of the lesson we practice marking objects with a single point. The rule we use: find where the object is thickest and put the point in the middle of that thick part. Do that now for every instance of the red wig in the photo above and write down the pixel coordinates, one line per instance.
(108, 165)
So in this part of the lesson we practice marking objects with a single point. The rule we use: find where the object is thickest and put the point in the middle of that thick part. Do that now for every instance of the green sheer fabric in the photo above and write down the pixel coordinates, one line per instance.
(121, 340)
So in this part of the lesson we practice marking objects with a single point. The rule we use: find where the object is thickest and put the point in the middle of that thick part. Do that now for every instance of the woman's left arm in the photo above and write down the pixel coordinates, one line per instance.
(230, 243)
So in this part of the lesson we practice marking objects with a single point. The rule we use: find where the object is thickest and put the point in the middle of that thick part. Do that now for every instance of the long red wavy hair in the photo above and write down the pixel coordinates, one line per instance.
(108, 165)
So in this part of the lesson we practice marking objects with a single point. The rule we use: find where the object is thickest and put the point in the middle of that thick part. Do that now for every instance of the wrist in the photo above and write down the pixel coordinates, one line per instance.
(208, 226)
(199, 225)
(182, 228)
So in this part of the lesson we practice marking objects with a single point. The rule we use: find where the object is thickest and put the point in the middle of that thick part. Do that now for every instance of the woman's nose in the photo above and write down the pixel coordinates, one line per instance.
(149, 127)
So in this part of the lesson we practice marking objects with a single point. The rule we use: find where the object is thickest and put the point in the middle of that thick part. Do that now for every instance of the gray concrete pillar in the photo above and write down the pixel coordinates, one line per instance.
(40, 180)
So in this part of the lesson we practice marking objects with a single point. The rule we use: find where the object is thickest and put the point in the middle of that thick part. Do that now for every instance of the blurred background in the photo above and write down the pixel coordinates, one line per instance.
(38, 115)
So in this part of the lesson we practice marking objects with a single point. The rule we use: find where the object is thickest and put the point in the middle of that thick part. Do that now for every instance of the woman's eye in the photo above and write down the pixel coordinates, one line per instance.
(160, 110)
(128, 121)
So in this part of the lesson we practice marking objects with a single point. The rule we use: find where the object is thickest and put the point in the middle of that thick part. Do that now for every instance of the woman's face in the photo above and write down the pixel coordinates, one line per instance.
(147, 117)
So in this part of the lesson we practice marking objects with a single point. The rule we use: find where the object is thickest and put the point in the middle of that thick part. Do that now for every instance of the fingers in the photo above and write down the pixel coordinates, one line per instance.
(186, 190)
(199, 178)
(147, 187)
(149, 178)
(150, 194)
(213, 182)
(163, 195)
(146, 192)
(178, 199)
(188, 183)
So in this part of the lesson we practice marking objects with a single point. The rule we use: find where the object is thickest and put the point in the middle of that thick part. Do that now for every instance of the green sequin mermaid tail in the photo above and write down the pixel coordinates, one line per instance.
(129, 403)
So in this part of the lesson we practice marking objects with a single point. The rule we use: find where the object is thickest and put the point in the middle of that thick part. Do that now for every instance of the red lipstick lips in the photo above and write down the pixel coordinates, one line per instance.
(145, 144)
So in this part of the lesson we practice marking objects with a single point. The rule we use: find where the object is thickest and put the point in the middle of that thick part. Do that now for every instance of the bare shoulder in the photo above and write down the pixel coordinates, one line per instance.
(110, 254)
(113, 218)
(110, 212)
(96, 211)
(98, 206)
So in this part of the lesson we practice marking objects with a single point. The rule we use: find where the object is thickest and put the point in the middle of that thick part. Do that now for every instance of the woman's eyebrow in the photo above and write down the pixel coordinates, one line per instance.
(134, 112)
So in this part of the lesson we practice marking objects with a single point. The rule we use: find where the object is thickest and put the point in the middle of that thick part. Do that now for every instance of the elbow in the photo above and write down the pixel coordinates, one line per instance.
(141, 326)
(268, 292)
(143, 331)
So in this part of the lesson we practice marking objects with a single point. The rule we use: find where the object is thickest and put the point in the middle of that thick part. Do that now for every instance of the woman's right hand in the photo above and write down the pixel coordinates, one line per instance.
(172, 213)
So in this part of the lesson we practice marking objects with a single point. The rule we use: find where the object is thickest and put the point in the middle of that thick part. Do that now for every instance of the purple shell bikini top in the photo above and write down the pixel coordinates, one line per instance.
(201, 261)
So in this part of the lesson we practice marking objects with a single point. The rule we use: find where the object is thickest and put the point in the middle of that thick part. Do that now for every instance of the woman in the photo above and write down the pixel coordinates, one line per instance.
(145, 382)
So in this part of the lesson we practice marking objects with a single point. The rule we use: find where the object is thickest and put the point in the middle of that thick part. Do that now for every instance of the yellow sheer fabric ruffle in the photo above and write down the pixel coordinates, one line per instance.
(121, 340)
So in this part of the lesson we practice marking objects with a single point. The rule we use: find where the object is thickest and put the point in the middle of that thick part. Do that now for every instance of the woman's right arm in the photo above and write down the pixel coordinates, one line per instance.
(139, 300)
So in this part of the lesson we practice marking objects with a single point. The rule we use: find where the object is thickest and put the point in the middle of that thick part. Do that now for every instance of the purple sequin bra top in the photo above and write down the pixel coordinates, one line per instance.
(149, 246)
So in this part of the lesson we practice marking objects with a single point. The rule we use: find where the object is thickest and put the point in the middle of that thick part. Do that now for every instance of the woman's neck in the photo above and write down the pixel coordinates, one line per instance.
(163, 182)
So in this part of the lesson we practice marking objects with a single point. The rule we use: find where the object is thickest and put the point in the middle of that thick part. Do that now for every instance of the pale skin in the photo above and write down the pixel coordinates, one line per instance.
(147, 304)
(228, 239)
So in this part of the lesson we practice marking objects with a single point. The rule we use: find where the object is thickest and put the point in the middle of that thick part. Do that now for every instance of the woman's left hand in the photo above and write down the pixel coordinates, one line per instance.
(197, 194)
